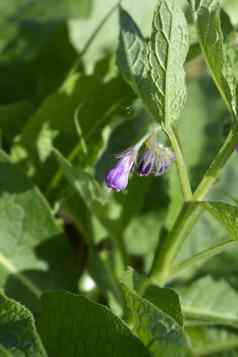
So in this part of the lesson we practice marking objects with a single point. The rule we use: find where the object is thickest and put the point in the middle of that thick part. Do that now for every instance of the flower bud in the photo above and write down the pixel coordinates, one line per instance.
(147, 163)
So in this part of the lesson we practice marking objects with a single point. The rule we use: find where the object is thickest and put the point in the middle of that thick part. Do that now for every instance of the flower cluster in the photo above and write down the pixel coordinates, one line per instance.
(154, 160)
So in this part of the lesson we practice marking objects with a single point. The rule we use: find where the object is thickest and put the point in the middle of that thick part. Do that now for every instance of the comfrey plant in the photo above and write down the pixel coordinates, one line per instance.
(155, 159)
(170, 290)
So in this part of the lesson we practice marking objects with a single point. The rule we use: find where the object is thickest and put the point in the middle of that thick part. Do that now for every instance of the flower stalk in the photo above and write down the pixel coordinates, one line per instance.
(180, 164)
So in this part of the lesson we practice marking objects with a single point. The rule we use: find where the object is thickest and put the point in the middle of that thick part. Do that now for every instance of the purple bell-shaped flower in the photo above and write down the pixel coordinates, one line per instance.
(155, 160)
(117, 177)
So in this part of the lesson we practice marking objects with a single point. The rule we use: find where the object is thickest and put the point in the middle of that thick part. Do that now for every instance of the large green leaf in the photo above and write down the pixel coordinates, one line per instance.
(29, 238)
(217, 306)
(17, 330)
(155, 71)
(71, 325)
(212, 45)
(167, 50)
(161, 334)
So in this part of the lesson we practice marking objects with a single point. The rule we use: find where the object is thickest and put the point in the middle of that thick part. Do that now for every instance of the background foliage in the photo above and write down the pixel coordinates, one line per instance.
(69, 101)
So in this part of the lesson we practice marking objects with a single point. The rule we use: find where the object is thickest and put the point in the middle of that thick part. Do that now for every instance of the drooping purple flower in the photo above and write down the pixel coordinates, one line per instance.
(165, 158)
(155, 160)
(117, 177)
(147, 163)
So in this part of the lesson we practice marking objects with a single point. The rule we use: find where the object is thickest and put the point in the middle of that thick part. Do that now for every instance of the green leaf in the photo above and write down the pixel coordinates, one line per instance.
(212, 44)
(131, 58)
(71, 325)
(217, 306)
(166, 300)
(160, 333)
(226, 214)
(94, 196)
(167, 51)
(131, 52)
(11, 223)
(155, 70)
(17, 330)
(29, 238)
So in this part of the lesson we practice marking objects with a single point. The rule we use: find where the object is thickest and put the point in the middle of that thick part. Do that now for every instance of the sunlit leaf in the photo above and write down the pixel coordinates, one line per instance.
(167, 51)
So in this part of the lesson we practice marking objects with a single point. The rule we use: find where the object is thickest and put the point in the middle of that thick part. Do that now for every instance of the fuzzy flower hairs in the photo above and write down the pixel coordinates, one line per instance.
(155, 159)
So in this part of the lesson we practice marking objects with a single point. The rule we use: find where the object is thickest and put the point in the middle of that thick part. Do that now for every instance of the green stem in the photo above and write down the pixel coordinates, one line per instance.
(164, 257)
(180, 163)
(167, 251)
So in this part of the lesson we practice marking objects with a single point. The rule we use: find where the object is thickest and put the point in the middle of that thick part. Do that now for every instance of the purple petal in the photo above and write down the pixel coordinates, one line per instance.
(147, 162)
(145, 169)
(117, 177)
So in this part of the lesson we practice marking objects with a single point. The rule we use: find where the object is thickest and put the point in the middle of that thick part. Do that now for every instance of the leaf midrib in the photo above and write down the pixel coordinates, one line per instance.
(7, 264)
(205, 315)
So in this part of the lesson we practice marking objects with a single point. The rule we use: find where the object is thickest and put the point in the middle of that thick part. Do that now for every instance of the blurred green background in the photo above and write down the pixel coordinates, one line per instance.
(56, 91)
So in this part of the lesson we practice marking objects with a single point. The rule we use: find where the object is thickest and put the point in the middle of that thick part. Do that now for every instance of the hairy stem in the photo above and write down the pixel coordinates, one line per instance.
(165, 256)
(180, 163)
